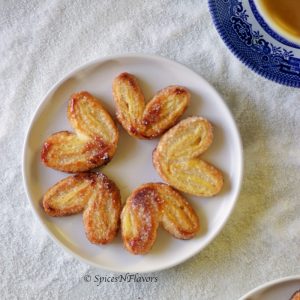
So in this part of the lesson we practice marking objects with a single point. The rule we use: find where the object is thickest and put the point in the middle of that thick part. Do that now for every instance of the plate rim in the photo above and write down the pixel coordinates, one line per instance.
(269, 284)
(100, 60)
(245, 60)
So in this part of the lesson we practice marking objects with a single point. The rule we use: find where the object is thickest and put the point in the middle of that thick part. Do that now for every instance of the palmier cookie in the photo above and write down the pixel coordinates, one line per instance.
(150, 205)
(149, 120)
(296, 296)
(176, 158)
(93, 143)
(93, 193)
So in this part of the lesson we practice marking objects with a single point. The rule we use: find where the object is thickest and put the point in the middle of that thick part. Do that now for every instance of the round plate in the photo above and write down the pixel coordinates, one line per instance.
(132, 164)
(254, 42)
(281, 289)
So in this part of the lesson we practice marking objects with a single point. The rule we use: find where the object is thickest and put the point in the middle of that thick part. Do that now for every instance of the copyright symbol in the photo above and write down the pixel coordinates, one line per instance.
(87, 278)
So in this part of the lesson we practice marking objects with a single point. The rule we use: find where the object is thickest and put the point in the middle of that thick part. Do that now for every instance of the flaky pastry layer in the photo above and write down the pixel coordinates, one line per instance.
(93, 143)
(296, 296)
(149, 120)
(93, 193)
(176, 158)
(148, 206)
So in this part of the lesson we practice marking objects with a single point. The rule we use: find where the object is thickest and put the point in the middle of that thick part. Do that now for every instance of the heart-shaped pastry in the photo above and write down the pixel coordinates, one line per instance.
(149, 120)
(150, 205)
(296, 296)
(176, 158)
(93, 143)
(93, 193)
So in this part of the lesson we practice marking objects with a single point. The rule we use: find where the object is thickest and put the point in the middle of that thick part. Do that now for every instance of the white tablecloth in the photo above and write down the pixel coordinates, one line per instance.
(41, 41)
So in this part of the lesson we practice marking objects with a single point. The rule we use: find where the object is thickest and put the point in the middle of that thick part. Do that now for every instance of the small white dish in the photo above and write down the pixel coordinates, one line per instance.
(280, 289)
(132, 164)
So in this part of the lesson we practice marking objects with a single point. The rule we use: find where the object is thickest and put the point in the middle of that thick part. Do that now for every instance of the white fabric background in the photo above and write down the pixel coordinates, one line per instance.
(41, 41)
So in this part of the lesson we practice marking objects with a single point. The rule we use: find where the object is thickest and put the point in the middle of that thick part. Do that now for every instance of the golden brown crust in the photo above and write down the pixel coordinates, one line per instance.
(93, 143)
(151, 120)
(69, 196)
(296, 296)
(92, 192)
(176, 158)
(147, 207)
(177, 216)
(102, 214)
(140, 220)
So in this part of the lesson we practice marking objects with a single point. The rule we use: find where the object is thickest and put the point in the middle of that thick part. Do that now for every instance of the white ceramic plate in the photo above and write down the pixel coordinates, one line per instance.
(281, 289)
(132, 164)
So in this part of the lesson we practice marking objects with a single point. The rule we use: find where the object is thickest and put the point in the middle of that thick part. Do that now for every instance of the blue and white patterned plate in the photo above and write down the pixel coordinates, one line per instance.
(254, 42)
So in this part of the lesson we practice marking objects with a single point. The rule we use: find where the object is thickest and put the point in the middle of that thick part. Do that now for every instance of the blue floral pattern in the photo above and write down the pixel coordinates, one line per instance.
(268, 29)
(253, 48)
